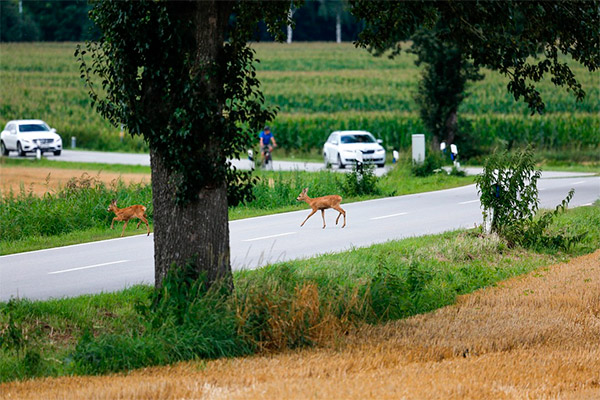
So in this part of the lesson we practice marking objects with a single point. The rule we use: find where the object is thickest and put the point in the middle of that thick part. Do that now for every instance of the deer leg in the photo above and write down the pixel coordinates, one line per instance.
(124, 226)
(113, 223)
(323, 215)
(146, 222)
(342, 212)
(309, 215)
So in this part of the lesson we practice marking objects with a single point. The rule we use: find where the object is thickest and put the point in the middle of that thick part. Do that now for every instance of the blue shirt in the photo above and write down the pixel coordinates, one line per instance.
(266, 137)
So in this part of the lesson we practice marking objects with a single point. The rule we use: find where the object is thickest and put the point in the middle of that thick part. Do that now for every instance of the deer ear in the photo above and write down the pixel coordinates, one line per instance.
(305, 190)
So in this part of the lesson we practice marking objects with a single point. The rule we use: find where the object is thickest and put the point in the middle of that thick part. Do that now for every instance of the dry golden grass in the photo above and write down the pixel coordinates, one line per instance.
(42, 180)
(533, 337)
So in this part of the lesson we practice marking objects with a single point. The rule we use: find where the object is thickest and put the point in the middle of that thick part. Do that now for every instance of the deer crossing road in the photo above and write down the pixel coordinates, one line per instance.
(118, 263)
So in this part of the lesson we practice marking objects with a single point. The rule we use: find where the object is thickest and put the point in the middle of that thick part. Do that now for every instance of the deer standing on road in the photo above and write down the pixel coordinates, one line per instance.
(125, 214)
(323, 203)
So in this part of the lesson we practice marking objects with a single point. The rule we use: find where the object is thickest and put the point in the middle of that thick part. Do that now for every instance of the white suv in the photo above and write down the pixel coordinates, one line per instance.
(27, 135)
(342, 148)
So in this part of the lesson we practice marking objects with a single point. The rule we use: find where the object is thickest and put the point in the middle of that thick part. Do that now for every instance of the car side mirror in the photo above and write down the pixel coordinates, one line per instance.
(379, 141)
(53, 130)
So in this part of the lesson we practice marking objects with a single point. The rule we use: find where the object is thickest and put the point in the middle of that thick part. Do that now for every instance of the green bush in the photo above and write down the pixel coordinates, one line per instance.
(432, 164)
(509, 196)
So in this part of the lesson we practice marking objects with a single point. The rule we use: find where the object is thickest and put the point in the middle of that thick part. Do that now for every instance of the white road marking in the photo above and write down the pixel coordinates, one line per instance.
(87, 267)
(388, 216)
(469, 202)
(77, 245)
(587, 204)
(579, 183)
(268, 237)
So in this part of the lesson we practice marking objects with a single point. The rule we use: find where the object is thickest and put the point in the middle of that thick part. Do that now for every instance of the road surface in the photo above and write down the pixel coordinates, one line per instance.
(118, 263)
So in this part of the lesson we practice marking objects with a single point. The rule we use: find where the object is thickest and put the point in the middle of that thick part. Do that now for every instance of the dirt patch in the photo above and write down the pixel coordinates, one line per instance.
(535, 336)
(41, 180)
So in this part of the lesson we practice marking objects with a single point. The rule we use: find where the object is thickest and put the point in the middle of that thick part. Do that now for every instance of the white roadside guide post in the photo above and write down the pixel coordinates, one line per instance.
(454, 151)
(418, 148)
(396, 156)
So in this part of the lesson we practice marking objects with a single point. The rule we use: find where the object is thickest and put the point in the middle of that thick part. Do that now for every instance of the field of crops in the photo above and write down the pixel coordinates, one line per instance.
(318, 87)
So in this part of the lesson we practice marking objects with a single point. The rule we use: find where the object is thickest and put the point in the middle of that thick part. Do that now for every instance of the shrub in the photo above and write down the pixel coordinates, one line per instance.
(432, 164)
(361, 181)
(509, 196)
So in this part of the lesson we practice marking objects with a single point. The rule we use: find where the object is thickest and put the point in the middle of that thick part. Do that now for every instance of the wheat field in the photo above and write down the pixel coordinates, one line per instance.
(532, 337)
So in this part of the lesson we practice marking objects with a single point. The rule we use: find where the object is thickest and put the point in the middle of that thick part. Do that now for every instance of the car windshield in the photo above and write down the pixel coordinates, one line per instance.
(33, 128)
(358, 138)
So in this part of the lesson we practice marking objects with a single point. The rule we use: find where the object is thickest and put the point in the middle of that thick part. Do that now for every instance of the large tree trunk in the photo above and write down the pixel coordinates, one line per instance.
(196, 232)
(451, 126)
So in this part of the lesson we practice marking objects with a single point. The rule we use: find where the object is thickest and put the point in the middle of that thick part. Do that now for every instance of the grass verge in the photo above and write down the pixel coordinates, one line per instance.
(288, 305)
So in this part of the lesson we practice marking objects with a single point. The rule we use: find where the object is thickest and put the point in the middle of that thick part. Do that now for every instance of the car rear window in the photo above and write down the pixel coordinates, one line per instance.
(358, 139)
(33, 128)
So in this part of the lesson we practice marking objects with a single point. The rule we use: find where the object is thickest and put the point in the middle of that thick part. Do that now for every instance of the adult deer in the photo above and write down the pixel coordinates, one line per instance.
(323, 203)
(125, 214)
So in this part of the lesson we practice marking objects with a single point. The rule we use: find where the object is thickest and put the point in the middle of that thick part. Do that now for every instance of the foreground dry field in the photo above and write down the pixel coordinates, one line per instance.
(533, 337)
(42, 180)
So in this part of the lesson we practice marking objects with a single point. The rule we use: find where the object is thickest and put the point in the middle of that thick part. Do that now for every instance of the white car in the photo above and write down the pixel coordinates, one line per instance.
(27, 135)
(342, 148)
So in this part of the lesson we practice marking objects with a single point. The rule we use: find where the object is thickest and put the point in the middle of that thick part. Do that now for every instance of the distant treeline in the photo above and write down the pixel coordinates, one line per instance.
(68, 21)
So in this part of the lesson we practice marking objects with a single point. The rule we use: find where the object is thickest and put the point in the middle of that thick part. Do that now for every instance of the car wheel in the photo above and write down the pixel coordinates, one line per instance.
(20, 150)
(340, 164)
(3, 149)
(380, 165)
(57, 153)
(326, 161)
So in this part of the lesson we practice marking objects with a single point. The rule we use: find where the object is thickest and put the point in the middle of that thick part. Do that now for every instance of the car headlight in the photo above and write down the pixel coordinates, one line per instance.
(26, 141)
(380, 150)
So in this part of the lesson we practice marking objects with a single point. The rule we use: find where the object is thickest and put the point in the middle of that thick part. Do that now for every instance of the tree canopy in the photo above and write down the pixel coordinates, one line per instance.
(519, 39)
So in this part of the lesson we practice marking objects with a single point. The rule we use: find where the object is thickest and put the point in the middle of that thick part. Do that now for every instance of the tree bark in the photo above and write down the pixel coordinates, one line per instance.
(196, 232)
(451, 127)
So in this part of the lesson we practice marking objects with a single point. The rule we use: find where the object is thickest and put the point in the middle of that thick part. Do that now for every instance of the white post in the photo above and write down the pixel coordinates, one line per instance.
(338, 28)
(418, 148)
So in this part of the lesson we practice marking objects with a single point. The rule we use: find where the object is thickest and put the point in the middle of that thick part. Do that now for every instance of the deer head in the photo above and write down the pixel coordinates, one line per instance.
(112, 205)
(303, 195)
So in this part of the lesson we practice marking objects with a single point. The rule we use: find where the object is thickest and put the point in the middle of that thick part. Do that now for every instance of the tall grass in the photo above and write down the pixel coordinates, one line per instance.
(80, 205)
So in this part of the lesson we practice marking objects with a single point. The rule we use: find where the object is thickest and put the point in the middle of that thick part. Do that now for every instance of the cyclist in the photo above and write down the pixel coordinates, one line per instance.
(267, 142)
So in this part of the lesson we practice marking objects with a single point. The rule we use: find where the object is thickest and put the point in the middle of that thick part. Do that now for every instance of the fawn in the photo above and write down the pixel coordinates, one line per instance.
(323, 203)
(125, 214)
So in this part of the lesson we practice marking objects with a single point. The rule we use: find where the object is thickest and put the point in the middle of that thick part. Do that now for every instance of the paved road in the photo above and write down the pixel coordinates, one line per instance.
(144, 159)
(114, 264)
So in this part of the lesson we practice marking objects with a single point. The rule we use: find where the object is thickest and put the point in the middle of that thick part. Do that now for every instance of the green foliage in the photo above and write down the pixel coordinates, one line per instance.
(509, 196)
(182, 320)
(195, 100)
(431, 165)
(504, 36)
(508, 189)
(361, 181)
